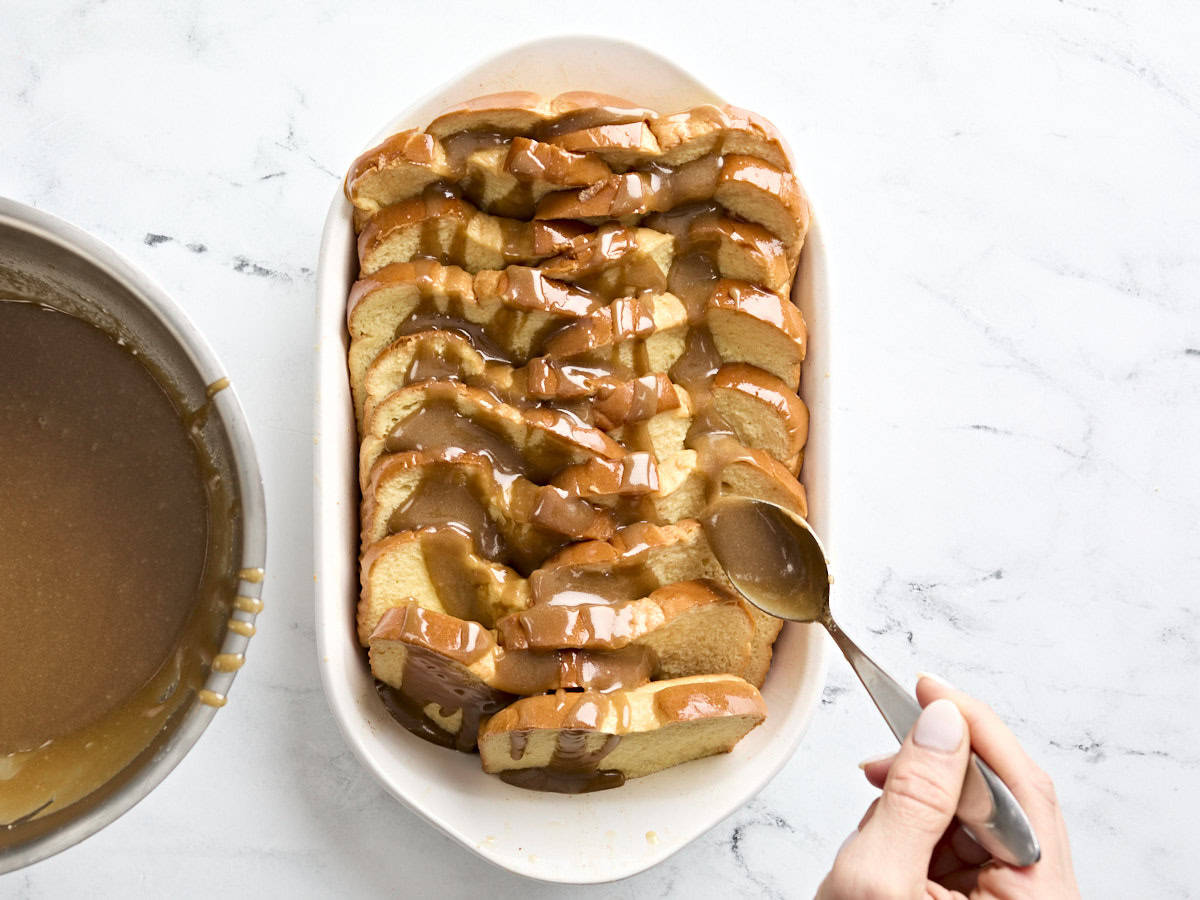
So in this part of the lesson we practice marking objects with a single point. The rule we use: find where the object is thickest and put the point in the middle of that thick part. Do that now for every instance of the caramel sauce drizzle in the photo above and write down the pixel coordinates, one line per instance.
(554, 366)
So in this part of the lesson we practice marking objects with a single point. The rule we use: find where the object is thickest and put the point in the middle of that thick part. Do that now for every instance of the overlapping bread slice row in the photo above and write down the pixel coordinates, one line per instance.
(572, 326)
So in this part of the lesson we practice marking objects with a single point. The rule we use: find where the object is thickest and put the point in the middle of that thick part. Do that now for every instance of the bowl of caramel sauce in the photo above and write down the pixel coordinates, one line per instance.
(132, 535)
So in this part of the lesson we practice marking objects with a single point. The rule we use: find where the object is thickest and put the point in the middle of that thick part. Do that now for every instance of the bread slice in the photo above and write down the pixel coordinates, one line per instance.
(443, 674)
(649, 334)
(505, 315)
(577, 742)
(584, 585)
(505, 176)
(471, 653)
(743, 250)
(634, 335)
(381, 303)
(399, 168)
(688, 627)
(437, 568)
(619, 145)
(448, 415)
(587, 596)
(762, 411)
(510, 520)
(443, 226)
(607, 401)
(527, 113)
(751, 325)
(614, 261)
(709, 129)
(747, 187)
(429, 657)
(433, 354)
(423, 662)
(546, 167)
(509, 178)
(509, 112)
(758, 192)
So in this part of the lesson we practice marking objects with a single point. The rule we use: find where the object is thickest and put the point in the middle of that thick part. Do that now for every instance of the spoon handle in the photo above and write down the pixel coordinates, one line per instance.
(987, 809)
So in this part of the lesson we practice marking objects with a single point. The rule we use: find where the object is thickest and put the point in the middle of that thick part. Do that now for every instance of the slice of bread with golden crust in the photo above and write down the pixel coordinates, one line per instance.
(442, 226)
(445, 674)
(508, 112)
(743, 250)
(527, 113)
(546, 167)
(472, 647)
(762, 411)
(595, 580)
(506, 315)
(638, 335)
(433, 354)
(426, 664)
(619, 145)
(690, 627)
(747, 187)
(380, 304)
(511, 520)
(438, 569)
(728, 130)
(577, 742)
(615, 261)
(435, 415)
(605, 400)
(766, 195)
(759, 327)
(504, 176)
(399, 168)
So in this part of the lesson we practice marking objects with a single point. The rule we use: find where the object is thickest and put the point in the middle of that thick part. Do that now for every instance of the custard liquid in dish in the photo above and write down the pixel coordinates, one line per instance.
(572, 329)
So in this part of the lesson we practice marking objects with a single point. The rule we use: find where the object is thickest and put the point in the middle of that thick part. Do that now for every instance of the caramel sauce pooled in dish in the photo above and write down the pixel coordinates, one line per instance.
(104, 530)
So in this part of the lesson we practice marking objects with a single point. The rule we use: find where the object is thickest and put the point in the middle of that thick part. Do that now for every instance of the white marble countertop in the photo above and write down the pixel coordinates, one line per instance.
(1011, 195)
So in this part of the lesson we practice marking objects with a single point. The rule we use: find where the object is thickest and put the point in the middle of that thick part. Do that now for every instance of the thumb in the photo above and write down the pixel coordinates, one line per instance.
(920, 794)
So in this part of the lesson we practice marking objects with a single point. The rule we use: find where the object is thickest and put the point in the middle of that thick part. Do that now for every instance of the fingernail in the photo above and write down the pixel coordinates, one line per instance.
(936, 678)
(940, 727)
(875, 759)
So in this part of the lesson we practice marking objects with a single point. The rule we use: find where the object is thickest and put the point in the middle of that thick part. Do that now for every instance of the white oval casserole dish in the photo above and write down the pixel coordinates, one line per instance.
(554, 837)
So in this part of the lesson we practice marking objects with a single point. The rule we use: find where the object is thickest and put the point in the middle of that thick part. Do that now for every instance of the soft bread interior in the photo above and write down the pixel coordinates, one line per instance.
(659, 725)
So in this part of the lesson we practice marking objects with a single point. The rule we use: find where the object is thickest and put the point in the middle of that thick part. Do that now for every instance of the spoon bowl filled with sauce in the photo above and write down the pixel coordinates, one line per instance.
(132, 535)
(776, 561)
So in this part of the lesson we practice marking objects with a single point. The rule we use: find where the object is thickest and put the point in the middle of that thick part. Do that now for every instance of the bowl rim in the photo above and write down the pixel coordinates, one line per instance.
(359, 734)
(196, 717)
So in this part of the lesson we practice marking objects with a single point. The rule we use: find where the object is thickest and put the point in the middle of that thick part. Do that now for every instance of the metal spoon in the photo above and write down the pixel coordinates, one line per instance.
(778, 564)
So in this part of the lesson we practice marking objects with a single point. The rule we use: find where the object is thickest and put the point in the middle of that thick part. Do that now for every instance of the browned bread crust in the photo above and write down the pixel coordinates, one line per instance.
(572, 330)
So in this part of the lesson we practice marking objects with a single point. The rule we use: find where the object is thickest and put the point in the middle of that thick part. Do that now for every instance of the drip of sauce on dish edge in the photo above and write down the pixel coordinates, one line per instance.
(106, 569)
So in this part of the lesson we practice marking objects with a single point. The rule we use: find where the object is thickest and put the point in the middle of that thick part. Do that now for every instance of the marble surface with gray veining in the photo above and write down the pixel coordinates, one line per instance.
(1011, 192)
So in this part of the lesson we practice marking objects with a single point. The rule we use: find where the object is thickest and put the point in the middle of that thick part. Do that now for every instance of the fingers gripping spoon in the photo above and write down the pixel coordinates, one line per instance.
(773, 558)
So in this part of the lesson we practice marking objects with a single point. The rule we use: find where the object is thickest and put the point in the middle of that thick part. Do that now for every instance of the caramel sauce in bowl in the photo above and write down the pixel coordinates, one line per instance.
(133, 529)
(588, 837)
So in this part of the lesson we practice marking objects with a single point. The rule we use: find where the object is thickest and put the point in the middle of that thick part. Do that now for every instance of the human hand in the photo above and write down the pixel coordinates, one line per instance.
(908, 844)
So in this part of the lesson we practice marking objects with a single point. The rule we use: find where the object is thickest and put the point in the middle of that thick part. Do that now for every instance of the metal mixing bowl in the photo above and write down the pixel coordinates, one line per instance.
(58, 265)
